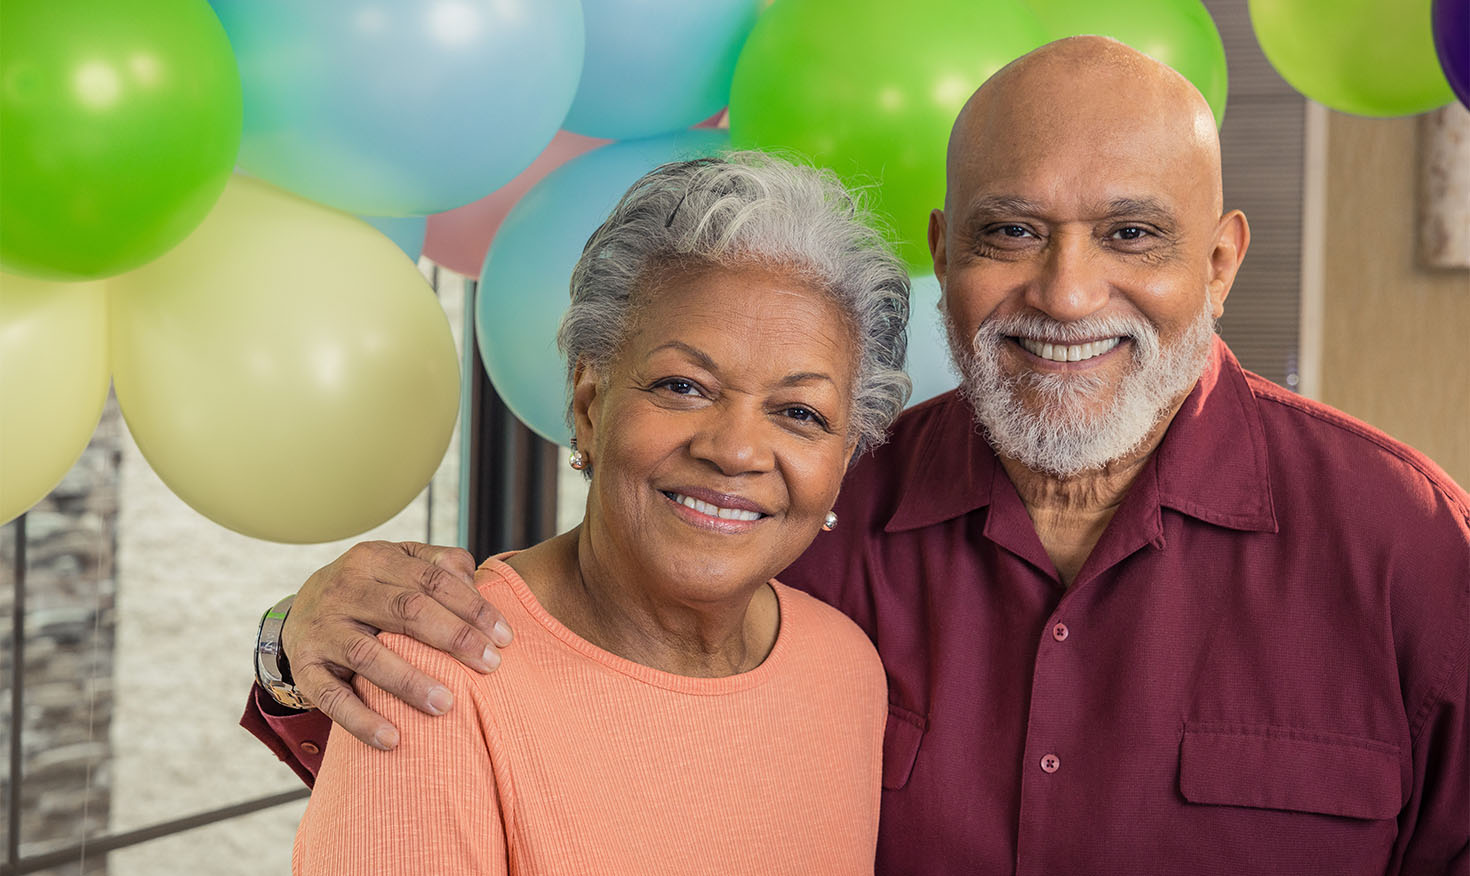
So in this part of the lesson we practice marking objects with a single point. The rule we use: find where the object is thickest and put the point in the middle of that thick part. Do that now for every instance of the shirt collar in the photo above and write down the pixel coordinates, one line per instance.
(953, 472)
(1211, 465)
(1213, 461)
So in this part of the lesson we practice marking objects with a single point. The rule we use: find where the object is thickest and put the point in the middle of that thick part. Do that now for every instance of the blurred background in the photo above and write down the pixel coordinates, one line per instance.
(310, 281)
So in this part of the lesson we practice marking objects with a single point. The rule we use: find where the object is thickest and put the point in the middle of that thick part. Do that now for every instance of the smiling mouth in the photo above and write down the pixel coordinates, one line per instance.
(1068, 352)
(711, 510)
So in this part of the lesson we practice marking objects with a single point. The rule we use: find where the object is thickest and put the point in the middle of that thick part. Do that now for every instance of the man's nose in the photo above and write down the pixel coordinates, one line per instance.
(1072, 283)
(735, 438)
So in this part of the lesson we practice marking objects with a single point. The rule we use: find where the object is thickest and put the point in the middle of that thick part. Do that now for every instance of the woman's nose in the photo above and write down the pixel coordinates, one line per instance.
(735, 439)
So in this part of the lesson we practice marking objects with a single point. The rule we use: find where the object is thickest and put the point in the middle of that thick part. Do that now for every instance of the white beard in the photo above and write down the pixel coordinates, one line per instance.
(1069, 435)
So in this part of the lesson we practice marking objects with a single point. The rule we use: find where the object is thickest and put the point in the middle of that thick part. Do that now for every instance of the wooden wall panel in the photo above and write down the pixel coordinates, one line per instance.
(1394, 333)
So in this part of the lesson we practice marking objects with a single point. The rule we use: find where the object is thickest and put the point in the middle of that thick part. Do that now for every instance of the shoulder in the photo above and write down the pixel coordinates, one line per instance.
(926, 424)
(941, 428)
(493, 583)
(1378, 476)
(1370, 503)
(819, 629)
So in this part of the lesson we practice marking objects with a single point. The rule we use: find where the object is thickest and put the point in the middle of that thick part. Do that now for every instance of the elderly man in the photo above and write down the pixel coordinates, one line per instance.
(1141, 611)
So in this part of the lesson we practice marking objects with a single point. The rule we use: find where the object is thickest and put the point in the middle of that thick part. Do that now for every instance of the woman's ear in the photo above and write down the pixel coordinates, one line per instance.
(586, 405)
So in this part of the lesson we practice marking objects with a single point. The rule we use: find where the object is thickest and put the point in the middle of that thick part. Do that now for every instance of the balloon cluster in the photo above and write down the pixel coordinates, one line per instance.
(284, 368)
(283, 365)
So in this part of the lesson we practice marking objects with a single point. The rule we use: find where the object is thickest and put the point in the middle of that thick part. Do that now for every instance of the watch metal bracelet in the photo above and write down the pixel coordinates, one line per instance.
(271, 669)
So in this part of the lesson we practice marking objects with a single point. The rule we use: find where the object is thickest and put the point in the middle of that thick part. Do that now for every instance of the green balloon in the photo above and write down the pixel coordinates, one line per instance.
(870, 88)
(1179, 33)
(119, 124)
(1366, 57)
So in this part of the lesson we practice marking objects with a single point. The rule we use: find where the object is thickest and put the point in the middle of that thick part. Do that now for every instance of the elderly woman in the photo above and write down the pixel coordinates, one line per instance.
(736, 335)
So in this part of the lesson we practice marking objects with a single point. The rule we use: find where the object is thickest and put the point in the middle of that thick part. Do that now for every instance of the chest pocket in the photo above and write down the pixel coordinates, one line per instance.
(901, 740)
(1265, 767)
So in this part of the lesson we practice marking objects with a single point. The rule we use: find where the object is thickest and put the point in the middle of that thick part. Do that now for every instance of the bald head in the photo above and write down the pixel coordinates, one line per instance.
(1086, 96)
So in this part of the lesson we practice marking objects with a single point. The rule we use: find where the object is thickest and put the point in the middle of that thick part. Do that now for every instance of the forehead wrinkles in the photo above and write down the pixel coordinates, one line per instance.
(1088, 180)
(795, 314)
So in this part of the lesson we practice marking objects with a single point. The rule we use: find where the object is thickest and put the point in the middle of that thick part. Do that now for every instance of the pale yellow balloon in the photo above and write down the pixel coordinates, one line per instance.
(286, 370)
(53, 383)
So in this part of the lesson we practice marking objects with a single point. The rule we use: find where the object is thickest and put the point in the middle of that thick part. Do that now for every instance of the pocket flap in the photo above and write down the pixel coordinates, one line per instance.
(1277, 768)
(901, 740)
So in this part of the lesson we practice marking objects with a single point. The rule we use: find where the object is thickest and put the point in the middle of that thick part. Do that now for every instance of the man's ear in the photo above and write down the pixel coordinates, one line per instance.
(937, 247)
(1232, 238)
(586, 405)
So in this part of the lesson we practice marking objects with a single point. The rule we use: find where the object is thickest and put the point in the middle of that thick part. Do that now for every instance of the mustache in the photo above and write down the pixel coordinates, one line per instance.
(1047, 330)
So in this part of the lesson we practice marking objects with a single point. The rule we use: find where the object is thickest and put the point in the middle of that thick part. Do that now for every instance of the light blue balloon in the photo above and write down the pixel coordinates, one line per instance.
(407, 232)
(401, 107)
(929, 364)
(656, 66)
(524, 285)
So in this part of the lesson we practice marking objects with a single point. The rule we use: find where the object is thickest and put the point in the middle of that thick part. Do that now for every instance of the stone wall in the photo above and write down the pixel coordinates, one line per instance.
(69, 646)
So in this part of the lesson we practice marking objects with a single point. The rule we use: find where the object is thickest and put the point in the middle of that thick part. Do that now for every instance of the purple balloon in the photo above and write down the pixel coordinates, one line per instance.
(1452, 41)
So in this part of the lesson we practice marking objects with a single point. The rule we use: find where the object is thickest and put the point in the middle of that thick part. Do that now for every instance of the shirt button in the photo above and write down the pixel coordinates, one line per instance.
(1050, 763)
(1060, 632)
(311, 748)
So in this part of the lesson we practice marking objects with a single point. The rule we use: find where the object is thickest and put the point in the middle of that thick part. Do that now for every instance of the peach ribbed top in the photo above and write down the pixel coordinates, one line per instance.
(571, 760)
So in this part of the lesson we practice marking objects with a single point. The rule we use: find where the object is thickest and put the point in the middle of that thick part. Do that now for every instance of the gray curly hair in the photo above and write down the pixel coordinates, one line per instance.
(748, 208)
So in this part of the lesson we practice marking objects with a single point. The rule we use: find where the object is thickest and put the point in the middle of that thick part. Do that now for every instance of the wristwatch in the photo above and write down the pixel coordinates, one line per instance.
(271, 668)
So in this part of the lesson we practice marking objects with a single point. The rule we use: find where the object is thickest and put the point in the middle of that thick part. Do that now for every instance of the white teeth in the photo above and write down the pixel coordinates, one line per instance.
(1069, 352)
(716, 510)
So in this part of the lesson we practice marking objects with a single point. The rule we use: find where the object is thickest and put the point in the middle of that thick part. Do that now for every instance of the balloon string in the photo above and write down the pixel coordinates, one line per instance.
(92, 691)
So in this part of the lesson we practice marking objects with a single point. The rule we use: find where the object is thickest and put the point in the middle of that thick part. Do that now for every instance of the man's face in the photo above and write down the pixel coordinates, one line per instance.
(1078, 258)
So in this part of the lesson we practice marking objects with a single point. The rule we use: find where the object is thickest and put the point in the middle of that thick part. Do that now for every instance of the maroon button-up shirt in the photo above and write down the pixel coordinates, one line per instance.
(1261, 668)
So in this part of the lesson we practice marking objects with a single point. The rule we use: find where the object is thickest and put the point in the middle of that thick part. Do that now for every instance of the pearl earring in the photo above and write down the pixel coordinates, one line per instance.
(830, 523)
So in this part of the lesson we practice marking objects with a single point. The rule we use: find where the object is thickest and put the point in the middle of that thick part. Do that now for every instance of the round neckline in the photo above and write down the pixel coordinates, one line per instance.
(688, 684)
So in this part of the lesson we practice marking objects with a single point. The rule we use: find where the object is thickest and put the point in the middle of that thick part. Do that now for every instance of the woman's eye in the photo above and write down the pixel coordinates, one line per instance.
(678, 386)
(681, 387)
(804, 415)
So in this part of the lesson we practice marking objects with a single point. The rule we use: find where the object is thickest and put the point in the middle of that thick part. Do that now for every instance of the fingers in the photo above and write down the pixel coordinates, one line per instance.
(338, 701)
(445, 590)
(473, 608)
(451, 559)
(423, 591)
(325, 685)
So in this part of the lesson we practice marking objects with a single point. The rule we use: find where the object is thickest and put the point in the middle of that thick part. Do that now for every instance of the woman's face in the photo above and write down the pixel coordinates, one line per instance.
(720, 435)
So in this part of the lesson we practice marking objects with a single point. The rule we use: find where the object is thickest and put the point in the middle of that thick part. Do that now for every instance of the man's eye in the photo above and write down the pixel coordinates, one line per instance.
(1013, 230)
(1130, 232)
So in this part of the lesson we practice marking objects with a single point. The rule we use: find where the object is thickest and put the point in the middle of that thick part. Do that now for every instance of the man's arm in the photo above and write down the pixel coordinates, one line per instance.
(1432, 620)
(1437, 819)
(426, 592)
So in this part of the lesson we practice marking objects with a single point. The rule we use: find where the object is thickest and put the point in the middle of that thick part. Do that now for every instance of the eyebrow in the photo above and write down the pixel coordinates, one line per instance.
(1002, 205)
(708, 364)
(694, 353)
(995, 206)
(1150, 209)
(807, 377)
